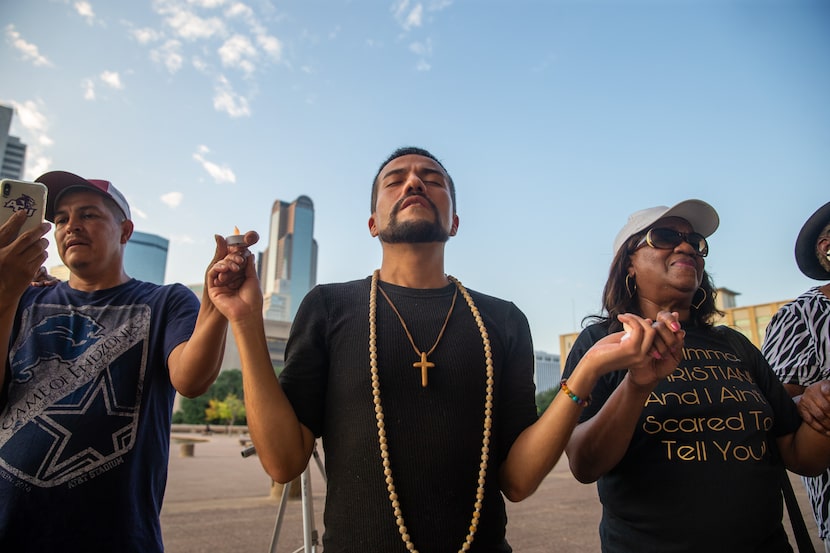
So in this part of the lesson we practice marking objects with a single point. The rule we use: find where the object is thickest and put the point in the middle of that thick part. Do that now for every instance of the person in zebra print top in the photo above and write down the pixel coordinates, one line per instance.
(797, 346)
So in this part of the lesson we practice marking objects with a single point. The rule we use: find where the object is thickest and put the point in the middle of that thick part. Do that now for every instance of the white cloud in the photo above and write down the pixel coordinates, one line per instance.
(237, 52)
(146, 35)
(35, 126)
(270, 44)
(415, 17)
(27, 49)
(200, 65)
(89, 89)
(169, 54)
(190, 26)
(421, 48)
(84, 9)
(408, 17)
(37, 164)
(438, 5)
(221, 174)
(30, 116)
(238, 9)
(227, 100)
(136, 212)
(172, 199)
(112, 79)
(207, 4)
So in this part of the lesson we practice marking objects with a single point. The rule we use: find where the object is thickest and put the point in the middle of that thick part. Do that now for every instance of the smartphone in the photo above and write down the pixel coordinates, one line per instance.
(18, 195)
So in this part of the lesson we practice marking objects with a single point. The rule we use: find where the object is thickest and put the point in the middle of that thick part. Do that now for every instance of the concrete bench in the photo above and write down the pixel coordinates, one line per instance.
(187, 444)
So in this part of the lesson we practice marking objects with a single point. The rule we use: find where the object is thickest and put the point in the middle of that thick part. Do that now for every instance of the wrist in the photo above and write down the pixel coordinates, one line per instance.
(580, 400)
(638, 387)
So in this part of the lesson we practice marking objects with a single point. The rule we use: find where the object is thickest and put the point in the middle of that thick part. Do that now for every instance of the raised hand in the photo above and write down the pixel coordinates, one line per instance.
(20, 256)
(650, 350)
(232, 283)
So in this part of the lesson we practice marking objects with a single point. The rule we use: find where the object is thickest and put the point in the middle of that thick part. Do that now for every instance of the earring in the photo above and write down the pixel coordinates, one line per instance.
(703, 299)
(827, 255)
(628, 280)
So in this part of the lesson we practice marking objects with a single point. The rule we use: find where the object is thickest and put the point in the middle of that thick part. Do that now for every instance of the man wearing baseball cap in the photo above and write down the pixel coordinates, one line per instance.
(92, 367)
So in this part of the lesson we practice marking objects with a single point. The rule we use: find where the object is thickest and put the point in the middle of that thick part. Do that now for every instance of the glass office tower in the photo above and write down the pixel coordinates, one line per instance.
(289, 262)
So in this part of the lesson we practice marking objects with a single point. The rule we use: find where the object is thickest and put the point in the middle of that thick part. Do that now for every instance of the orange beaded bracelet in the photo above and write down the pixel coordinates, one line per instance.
(575, 398)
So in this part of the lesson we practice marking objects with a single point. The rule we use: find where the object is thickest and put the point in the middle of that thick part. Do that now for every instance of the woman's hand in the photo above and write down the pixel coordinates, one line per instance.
(650, 350)
(814, 406)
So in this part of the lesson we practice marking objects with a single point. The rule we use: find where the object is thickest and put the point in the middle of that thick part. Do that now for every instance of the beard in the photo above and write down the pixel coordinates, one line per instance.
(413, 232)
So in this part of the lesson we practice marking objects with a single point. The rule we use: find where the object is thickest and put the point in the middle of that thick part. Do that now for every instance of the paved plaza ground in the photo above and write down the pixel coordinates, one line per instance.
(219, 502)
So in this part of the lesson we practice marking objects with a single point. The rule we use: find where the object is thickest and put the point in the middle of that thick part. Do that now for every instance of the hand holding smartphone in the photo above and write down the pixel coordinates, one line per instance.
(18, 195)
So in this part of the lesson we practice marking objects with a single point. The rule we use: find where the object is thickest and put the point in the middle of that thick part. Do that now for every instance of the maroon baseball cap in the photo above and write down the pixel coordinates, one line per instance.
(58, 182)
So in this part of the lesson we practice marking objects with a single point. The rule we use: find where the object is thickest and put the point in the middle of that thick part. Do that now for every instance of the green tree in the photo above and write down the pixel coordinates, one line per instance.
(228, 410)
(192, 410)
(544, 399)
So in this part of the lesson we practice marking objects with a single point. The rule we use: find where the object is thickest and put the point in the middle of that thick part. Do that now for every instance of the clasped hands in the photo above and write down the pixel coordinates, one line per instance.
(649, 349)
(814, 406)
(231, 280)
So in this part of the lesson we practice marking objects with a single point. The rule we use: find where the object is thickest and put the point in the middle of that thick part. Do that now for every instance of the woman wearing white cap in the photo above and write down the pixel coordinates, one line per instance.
(688, 436)
(797, 345)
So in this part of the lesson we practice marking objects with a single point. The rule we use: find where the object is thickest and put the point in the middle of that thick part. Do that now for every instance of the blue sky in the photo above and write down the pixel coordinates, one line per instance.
(556, 119)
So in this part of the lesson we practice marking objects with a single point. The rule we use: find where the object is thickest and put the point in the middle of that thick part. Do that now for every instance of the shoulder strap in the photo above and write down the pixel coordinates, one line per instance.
(802, 535)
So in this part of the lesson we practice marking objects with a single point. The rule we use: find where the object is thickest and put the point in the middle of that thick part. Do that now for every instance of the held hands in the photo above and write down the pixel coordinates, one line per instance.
(43, 278)
(650, 350)
(814, 406)
(20, 256)
(231, 281)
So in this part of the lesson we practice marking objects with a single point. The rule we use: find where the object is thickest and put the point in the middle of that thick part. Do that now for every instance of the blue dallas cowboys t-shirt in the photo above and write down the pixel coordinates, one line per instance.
(85, 420)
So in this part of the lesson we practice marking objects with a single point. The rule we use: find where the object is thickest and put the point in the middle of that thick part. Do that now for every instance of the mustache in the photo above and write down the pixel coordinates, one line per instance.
(397, 207)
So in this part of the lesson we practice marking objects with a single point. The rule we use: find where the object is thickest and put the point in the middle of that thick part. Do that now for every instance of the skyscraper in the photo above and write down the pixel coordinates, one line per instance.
(145, 257)
(11, 148)
(289, 263)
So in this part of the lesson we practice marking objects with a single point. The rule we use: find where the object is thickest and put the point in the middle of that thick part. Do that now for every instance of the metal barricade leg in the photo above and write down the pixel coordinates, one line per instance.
(310, 534)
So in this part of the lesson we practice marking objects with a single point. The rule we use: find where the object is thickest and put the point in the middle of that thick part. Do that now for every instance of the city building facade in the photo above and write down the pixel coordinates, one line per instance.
(289, 262)
(145, 257)
(12, 149)
(547, 372)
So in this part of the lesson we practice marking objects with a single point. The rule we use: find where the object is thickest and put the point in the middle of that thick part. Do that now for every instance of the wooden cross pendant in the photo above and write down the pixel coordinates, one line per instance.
(424, 366)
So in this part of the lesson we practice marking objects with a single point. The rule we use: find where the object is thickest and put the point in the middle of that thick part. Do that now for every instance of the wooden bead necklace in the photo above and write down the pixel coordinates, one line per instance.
(384, 449)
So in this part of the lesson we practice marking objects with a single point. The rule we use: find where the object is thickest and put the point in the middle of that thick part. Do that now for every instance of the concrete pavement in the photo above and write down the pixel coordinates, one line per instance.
(219, 502)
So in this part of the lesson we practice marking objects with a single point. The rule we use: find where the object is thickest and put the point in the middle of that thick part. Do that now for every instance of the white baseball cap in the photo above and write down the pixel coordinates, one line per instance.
(702, 216)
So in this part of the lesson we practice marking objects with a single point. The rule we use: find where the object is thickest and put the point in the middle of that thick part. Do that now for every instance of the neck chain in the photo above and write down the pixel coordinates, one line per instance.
(423, 364)
(488, 409)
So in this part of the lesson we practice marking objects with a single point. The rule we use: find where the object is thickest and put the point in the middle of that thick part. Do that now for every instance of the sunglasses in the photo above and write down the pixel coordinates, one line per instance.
(668, 239)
